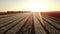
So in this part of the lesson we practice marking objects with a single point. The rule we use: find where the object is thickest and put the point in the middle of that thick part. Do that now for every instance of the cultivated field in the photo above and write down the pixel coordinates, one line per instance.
(30, 23)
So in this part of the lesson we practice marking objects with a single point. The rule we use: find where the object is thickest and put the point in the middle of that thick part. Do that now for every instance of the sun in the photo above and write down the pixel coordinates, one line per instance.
(37, 7)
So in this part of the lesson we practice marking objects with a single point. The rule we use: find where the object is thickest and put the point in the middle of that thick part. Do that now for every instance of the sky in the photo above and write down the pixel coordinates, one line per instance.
(29, 5)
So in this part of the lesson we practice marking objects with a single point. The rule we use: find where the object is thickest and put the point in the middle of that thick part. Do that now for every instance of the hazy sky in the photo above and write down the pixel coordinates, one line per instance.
(26, 5)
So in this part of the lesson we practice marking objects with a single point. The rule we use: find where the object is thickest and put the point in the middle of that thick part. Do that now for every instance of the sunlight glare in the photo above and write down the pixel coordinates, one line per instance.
(37, 7)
